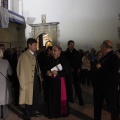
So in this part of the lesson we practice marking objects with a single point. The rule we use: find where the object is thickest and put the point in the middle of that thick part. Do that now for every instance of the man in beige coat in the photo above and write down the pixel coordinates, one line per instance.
(29, 76)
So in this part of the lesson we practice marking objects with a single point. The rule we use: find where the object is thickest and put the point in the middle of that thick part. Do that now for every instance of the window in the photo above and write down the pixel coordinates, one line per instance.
(4, 3)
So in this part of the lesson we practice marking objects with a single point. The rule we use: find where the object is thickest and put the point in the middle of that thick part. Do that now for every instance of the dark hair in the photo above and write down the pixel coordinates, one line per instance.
(49, 48)
(107, 44)
(31, 41)
(70, 41)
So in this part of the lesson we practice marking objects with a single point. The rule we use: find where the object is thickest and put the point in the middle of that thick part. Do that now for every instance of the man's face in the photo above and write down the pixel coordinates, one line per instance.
(71, 46)
(49, 52)
(33, 47)
(56, 52)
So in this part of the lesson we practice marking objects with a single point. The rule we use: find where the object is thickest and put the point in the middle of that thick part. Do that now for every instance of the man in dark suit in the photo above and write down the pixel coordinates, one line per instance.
(74, 60)
(106, 84)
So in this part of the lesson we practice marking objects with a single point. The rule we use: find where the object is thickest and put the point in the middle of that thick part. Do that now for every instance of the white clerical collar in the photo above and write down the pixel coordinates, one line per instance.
(31, 52)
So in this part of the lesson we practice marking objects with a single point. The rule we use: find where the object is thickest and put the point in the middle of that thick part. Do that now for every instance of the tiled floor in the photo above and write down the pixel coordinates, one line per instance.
(77, 112)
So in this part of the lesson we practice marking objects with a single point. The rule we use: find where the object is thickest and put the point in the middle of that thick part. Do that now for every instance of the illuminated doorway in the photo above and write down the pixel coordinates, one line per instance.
(44, 40)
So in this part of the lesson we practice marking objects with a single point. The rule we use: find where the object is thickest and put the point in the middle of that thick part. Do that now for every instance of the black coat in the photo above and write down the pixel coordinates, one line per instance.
(74, 58)
(66, 72)
(108, 73)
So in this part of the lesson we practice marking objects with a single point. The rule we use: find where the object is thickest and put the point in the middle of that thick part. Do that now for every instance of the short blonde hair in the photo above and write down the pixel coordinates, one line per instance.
(1, 54)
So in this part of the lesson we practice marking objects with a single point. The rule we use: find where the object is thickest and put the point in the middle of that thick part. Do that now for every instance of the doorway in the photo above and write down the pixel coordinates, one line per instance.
(43, 41)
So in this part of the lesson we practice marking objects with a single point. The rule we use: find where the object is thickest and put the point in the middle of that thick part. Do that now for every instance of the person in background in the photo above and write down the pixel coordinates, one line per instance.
(2, 47)
(74, 59)
(85, 72)
(11, 56)
(92, 54)
(117, 52)
(59, 88)
(43, 59)
(93, 68)
(29, 76)
(5, 98)
(106, 85)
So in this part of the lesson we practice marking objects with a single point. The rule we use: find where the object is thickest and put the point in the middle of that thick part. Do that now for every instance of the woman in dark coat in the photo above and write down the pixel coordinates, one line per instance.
(59, 85)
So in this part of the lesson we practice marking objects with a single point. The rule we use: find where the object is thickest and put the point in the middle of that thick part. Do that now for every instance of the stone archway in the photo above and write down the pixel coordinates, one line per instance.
(47, 28)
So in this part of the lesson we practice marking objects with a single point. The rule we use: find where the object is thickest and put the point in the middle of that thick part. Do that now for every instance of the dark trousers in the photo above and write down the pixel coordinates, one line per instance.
(111, 100)
(78, 90)
(3, 111)
(30, 109)
(54, 98)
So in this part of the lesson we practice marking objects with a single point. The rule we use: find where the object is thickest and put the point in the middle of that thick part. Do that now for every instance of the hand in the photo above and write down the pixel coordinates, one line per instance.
(98, 65)
(54, 72)
(49, 73)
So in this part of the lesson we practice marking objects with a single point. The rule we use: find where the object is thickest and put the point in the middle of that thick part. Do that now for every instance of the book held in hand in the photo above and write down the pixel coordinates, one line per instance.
(57, 68)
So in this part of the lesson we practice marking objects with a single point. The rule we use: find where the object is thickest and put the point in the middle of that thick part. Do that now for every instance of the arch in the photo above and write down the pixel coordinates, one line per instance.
(39, 33)
(42, 39)
(48, 43)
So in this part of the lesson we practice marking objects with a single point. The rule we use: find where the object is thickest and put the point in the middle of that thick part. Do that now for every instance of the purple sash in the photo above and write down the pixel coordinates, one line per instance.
(63, 97)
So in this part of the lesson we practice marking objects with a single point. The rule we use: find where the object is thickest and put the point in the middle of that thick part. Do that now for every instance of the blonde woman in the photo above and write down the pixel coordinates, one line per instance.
(5, 70)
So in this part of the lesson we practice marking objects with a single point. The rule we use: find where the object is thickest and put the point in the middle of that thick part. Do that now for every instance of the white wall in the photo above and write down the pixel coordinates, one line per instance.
(9, 4)
(87, 22)
(13, 5)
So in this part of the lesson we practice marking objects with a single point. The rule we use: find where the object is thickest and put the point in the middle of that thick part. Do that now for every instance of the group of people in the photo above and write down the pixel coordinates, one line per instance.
(54, 75)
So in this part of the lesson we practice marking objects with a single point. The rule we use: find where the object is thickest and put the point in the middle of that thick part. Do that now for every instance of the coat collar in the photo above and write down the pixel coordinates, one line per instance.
(29, 53)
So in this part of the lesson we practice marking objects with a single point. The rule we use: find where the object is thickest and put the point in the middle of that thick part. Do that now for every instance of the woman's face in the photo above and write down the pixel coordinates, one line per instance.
(99, 55)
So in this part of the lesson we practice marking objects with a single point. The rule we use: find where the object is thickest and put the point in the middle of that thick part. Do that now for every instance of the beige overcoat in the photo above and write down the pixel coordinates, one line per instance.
(25, 73)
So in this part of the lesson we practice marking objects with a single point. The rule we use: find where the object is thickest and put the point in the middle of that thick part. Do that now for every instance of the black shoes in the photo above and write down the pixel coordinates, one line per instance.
(36, 115)
(33, 115)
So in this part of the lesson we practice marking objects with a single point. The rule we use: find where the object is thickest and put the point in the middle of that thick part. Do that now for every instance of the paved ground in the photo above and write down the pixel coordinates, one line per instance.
(77, 112)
